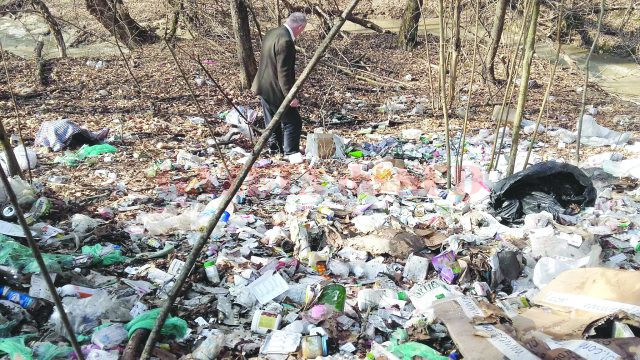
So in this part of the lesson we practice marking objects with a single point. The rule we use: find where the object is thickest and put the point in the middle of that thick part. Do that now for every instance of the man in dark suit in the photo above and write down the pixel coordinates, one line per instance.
(275, 77)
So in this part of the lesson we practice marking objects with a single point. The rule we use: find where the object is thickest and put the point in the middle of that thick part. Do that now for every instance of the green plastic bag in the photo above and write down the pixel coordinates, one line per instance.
(74, 159)
(407, 351)
(96, 150)
(15, 347)
(356, 153)
(17, 256)
(104, 255)
(173, 326)
(49, 351)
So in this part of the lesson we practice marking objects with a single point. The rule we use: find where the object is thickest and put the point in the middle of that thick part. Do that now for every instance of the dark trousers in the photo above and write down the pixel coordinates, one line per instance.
(286, 136)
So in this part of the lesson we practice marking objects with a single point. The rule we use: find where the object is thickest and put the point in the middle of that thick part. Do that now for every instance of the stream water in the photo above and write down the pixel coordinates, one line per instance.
(616, 75)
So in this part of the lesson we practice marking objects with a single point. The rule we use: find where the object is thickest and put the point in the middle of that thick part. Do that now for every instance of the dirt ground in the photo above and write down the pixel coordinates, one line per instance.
(153, 125)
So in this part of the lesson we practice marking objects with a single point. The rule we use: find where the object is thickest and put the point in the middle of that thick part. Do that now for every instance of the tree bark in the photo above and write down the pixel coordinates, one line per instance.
(524, 85)
(54, 27)
(496, 36)
(114, 16)
(408, 34)
(244, 50)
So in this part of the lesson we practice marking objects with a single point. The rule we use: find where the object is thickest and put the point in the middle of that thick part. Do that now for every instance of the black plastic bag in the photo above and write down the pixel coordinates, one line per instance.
(557, 188)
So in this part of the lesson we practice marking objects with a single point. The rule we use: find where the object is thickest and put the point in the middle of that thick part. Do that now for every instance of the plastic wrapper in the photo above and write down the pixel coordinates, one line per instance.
(549, 186)
(172, 326)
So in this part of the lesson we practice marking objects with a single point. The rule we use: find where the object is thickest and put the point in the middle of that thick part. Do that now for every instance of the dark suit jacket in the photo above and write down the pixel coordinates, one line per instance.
(276, 73)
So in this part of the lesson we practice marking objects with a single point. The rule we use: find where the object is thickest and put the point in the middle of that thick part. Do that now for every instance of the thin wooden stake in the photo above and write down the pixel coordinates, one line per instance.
(469, 93)
(197, 248)
(586, 80)
(547, 91)
(493, 163)
(443, 92)
(524, 85)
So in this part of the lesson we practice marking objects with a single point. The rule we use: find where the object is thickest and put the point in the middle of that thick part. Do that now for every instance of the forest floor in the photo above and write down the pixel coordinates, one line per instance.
(153, 125)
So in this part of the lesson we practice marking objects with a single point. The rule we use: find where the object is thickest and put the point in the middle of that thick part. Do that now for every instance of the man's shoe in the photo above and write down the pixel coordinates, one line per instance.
(295, 158)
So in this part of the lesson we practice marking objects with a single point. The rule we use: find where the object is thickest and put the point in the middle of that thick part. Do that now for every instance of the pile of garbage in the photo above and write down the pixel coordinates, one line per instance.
(360, 252)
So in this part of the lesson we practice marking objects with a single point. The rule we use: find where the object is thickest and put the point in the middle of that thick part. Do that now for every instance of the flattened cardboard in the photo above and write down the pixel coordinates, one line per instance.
(577, 298)
(459, 316)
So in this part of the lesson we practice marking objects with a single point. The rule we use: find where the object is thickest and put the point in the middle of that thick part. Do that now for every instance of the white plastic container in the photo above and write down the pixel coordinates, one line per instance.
(263, 321)
(211, 270)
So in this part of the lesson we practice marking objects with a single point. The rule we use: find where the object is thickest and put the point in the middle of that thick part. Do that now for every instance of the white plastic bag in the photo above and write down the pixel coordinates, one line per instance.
(24, 165)
(324, 146)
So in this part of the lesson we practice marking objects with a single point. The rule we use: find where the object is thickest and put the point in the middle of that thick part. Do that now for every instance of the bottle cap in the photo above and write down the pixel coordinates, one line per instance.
(225, 216)
(209, 263)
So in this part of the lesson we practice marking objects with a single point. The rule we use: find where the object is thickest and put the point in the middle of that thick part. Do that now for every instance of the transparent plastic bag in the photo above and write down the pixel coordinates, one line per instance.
(86, 314)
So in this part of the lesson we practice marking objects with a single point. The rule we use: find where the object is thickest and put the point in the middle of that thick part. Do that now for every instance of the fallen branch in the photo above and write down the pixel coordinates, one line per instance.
(321, 12)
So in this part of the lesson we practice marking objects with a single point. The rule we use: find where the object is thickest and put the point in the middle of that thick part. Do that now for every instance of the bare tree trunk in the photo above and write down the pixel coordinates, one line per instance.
(524, 85)
(408, 34)
(54, 27)
(496, 36)
(244, 50)
(455, 51)
(586, 80)
(114, 16)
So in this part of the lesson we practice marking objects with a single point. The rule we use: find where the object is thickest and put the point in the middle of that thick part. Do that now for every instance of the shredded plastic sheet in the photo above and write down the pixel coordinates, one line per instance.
(557, 188)
(18, 256)
(173, 326)
(49, 351)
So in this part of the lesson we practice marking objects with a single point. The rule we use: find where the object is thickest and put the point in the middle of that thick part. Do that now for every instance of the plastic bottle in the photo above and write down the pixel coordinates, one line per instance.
(109, 337)
(40, 309)
(221, 226)
(314, 346)
(210, 347)
(76, 291)
(334, 295)
(211, 270)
